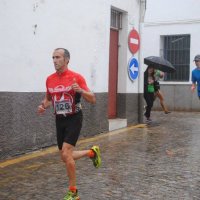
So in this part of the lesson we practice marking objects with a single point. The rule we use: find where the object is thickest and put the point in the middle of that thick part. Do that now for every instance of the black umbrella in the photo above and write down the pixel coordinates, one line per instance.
(159, 63)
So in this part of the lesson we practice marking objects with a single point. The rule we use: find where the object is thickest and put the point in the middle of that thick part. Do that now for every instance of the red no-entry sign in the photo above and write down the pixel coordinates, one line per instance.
(133, 41)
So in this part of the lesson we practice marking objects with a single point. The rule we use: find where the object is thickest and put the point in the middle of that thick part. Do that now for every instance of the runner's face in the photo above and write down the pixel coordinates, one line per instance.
(60, 62)
(197, 63)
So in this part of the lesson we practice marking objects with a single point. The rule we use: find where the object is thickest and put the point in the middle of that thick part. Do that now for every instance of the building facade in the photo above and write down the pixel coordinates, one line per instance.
(171, 29)
(96, 34)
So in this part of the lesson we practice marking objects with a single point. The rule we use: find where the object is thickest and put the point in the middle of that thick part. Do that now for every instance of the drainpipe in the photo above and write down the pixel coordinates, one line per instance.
(142, 10)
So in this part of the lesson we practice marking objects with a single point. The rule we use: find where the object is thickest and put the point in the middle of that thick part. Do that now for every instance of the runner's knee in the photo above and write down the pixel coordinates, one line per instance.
(66, 155)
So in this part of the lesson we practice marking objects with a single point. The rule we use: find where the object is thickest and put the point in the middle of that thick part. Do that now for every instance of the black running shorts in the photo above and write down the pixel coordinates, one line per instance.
(68, 128)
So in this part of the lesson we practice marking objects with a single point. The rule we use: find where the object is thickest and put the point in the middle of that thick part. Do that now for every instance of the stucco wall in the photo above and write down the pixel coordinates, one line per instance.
(31, 30)
(35, 28)
(178, 98)
(22, 130)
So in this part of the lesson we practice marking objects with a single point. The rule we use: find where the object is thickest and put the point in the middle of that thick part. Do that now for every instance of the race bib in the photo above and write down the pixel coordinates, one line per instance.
(63, 107)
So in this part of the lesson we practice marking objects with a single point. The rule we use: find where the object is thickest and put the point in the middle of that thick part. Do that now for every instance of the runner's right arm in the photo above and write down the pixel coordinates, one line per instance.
(45, 104)
(193, 87)
(193, 82)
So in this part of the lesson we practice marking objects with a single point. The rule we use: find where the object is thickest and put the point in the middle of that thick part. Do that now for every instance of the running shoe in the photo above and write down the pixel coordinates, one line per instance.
(97, 158)
(71, 196)
(148, 121)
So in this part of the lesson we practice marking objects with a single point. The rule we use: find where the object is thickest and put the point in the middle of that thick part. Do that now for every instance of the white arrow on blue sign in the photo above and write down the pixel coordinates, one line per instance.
(133, 69)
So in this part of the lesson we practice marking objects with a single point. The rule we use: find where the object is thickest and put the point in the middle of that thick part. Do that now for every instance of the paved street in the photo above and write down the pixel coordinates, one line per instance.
(159, 162)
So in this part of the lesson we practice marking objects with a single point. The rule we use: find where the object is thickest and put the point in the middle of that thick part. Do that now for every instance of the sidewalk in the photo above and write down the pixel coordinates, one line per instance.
(158, 162)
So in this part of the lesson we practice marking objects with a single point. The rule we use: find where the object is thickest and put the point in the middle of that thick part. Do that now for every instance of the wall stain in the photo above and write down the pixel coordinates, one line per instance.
(34, 29)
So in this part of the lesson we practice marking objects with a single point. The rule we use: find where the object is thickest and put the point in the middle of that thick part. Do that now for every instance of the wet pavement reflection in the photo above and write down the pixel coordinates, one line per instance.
(160, 161)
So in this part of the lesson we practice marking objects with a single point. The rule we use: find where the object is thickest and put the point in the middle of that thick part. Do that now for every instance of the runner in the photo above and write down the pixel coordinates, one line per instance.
(64, 90)
(196, 75)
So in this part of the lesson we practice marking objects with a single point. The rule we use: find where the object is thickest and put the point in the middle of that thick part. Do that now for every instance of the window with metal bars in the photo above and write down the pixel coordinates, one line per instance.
(176, 49)
(116, 19)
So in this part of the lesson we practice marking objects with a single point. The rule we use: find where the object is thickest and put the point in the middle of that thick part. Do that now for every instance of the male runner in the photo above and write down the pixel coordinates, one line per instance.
(196, 75)
(64, 90)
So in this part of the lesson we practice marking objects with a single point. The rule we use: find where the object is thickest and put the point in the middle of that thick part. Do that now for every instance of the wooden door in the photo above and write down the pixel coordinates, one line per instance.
(113, 74)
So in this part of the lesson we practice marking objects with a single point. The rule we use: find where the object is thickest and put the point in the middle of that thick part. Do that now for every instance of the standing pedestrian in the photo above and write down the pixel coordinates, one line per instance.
(149, 91)
(196, 75)
(158, 75)
(64, 90)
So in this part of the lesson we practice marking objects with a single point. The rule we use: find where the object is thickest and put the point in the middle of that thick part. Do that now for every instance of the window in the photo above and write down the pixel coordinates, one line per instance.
(176, 49)
(116, 19)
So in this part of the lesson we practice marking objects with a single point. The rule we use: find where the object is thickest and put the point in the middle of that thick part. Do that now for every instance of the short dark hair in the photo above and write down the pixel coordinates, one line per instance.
(66, 52)
(197, 58)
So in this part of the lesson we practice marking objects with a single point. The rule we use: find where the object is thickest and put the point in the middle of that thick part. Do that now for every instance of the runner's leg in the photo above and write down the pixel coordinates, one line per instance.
(79, 154)
(67, 157)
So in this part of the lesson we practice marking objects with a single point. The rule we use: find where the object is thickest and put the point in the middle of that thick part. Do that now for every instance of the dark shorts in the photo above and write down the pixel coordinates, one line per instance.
(68, 128)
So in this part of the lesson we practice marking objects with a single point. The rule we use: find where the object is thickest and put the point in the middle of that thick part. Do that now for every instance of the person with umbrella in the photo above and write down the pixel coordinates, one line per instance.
(196, 75)
(153, 62)
(149, 90)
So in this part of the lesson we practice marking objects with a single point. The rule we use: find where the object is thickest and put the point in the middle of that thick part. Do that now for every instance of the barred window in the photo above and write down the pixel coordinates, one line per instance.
(116, 19)
(176, 49)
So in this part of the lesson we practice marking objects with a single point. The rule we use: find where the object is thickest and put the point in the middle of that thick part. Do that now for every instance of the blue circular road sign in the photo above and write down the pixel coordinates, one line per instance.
(133, 69)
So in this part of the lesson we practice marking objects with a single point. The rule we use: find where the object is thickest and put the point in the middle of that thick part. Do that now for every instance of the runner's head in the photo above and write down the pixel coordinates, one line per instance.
(66, 52)
(61, 58)
(197, 60)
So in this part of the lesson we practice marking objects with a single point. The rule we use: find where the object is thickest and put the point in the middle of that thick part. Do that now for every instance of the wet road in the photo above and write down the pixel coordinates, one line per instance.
(158, 162)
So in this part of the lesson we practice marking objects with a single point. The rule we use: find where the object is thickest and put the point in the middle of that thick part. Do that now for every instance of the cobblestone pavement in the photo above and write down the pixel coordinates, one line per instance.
(159, 162)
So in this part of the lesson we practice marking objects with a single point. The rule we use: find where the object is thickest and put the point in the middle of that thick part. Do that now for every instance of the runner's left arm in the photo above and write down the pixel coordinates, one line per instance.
(80, 86)
(88, 96)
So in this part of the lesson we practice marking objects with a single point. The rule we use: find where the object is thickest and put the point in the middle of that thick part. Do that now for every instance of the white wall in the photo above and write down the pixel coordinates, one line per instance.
(31, 30)
(159, 10)
(82, 28)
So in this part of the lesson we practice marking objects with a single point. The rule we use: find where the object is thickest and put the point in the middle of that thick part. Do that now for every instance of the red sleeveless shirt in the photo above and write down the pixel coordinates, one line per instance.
(65, 100)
